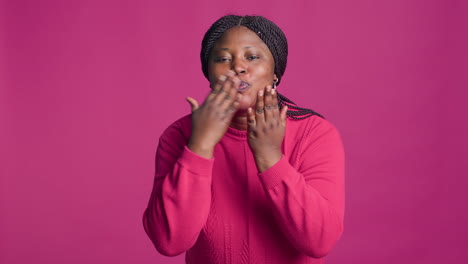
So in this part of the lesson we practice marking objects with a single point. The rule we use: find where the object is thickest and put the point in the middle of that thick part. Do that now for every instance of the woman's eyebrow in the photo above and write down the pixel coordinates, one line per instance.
(227, 49)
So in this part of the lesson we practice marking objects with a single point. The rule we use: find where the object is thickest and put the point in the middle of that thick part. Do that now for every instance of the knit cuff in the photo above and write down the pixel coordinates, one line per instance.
(277, 173)
(195, 163)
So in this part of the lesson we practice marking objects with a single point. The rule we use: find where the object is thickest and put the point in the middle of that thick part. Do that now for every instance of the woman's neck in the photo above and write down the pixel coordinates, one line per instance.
(239, 121)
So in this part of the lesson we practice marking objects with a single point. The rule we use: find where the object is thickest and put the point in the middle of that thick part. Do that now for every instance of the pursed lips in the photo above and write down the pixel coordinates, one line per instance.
(243, 86)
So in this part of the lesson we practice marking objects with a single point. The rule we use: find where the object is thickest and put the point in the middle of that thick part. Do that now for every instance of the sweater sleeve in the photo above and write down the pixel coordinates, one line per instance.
(181, 196)
(308, 202)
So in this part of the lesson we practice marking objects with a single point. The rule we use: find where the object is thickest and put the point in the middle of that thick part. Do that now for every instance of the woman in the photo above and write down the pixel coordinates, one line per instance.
(248, 177)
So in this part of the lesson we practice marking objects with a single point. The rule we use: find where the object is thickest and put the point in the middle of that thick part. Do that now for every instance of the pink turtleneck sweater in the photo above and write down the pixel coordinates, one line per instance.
(222, 210)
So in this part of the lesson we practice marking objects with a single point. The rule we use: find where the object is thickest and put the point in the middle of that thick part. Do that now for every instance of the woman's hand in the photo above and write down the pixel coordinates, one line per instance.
(266, 127)
(211, 120)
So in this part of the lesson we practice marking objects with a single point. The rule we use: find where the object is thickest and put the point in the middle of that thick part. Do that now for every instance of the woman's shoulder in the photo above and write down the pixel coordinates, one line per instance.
(312, 133)
(311, 126)
(179, 128)
(312, 137)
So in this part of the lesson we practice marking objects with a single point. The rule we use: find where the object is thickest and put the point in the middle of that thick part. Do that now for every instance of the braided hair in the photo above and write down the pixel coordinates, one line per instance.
(275, 40)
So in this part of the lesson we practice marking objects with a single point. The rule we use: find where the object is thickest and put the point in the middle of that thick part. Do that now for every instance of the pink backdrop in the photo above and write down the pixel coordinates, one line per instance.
(87, 87)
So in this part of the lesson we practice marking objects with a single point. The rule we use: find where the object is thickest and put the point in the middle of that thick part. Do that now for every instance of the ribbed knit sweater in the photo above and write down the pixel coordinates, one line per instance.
(222, 210)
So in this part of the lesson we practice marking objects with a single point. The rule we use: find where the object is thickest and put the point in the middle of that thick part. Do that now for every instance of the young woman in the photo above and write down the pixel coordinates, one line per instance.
(248, 176)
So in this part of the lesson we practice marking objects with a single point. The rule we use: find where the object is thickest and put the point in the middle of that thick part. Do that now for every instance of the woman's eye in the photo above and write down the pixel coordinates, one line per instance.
(253, 57)
(222, 59)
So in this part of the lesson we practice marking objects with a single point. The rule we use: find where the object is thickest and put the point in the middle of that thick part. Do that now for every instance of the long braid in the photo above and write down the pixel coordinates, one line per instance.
(275, 40)
(294, 111)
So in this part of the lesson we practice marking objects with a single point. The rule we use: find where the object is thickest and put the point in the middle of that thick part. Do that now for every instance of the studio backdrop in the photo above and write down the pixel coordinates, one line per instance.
(87, 87)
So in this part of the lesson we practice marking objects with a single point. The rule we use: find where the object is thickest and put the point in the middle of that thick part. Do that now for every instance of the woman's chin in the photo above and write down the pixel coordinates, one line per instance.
(245, 103)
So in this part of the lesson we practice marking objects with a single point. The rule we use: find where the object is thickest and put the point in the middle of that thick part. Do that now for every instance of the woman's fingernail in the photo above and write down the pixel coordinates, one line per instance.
(273, 91)
(222, 78)
(260, 93)
(268, 88)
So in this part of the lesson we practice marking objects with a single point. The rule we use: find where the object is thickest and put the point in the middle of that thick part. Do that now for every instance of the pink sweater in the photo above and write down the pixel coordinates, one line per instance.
(222, 210)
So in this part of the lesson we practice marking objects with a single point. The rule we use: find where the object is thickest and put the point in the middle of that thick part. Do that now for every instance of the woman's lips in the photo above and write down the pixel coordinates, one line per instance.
(243, 86)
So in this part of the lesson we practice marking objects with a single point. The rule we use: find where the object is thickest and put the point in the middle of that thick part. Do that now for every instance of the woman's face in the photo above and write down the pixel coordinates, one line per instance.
(240, 50)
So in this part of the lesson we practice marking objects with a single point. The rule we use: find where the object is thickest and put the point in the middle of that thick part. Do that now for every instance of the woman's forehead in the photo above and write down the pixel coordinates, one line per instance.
(239, 35)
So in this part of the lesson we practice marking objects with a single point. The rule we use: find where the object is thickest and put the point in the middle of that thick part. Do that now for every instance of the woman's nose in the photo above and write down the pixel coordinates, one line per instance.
(239, 66)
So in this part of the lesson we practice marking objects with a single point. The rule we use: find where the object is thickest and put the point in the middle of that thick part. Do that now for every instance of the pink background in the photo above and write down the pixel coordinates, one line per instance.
(87, 87)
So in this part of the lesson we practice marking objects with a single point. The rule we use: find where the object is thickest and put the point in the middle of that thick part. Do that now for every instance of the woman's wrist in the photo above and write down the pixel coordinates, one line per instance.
(267, 160)
(205, 151)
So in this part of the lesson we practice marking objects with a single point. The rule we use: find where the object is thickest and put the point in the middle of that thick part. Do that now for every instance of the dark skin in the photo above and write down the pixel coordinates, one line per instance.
(240, 56)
